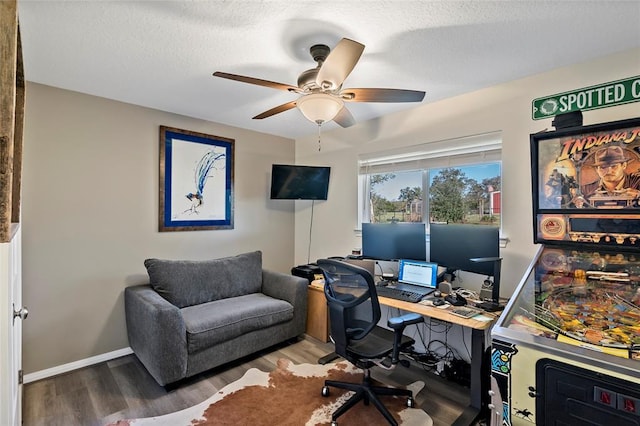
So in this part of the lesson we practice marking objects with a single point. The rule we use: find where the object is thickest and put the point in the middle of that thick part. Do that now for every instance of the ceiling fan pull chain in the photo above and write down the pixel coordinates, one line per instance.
(319, 125)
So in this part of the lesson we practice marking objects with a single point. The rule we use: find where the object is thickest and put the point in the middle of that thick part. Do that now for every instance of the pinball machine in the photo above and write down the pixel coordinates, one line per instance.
(566, 350)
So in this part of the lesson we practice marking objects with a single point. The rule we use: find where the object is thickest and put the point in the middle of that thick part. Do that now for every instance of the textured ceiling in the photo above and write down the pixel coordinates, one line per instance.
(161, 54)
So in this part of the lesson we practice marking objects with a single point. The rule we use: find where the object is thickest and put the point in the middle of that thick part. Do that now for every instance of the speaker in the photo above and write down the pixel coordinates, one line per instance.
(444, 287)
(486, 292)
(566, 120)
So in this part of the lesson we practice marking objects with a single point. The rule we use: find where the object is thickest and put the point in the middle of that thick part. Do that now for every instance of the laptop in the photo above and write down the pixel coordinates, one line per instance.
(369, 265)
(417, 276)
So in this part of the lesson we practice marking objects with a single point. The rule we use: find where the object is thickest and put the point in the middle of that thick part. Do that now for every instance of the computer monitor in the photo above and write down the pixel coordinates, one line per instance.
(394, 241)
(454, 245)
(471, 248)
(424, 274)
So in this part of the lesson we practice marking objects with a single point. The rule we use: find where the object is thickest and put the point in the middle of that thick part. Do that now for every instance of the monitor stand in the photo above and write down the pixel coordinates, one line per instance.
(494, 304)
(490, 306)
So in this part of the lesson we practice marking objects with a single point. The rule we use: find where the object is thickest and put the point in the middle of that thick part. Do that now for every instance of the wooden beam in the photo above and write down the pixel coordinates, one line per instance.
(8, 65)
(18, 135)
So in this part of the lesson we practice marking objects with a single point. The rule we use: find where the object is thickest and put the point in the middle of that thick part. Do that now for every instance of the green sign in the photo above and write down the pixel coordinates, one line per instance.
(594, 97)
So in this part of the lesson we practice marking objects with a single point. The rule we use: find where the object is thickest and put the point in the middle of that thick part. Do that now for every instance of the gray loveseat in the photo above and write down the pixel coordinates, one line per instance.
(196, 315)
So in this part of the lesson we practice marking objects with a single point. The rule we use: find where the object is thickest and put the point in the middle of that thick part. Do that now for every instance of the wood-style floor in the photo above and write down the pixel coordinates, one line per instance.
(122, 388)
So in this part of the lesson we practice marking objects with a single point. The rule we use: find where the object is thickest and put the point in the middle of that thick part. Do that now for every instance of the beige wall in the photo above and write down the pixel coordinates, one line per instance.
(90, 207)
(505, 108)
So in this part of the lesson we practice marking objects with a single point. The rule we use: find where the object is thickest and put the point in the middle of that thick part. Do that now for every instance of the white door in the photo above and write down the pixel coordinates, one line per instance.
(11, 329)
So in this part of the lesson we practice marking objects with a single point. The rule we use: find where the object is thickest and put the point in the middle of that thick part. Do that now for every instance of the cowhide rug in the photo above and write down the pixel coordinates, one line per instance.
(289, 395)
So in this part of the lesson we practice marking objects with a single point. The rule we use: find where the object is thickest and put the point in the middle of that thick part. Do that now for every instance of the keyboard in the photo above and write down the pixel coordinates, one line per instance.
(396, 293)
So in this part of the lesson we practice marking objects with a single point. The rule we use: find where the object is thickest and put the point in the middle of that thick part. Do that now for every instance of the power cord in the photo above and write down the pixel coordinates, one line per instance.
(380, 267)
(439, 357)
(310, 228)
(467, 294)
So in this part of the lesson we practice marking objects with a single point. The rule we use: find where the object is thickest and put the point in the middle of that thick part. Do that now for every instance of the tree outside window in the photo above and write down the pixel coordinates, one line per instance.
(465, 194)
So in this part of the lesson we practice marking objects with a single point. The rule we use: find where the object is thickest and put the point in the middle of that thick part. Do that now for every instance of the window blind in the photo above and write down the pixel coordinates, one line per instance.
(469, 150)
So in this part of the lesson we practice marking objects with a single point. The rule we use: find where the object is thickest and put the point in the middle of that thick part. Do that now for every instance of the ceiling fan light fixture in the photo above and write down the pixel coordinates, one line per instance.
(319, 107)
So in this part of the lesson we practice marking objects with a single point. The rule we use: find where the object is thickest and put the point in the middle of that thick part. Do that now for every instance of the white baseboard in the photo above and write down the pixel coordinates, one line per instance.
(65, 368)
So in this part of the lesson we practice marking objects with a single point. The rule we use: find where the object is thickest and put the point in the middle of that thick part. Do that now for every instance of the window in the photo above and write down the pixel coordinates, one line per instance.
(456, 181)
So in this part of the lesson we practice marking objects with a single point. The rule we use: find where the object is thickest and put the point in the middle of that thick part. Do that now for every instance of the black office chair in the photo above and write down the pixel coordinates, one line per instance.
(354, 312)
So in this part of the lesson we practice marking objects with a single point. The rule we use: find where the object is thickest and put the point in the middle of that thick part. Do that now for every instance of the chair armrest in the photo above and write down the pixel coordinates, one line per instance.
(290, 288)
(398, 324)
(156, 333)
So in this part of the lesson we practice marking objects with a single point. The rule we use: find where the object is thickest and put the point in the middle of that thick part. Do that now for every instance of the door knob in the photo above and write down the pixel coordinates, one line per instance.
(22, 313)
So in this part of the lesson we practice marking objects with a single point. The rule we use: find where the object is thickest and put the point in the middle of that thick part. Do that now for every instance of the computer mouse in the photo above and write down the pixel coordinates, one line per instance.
(438, 302)
(437, 293)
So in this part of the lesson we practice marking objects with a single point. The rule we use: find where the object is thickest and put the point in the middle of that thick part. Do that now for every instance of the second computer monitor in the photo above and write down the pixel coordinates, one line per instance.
(454, 245)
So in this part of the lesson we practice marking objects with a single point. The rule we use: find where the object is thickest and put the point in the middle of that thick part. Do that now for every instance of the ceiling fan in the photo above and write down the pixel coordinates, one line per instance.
(322, 96)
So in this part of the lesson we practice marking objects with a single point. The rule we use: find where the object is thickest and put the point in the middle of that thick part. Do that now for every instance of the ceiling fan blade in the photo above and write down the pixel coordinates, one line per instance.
(257, 81)
(339, 64)
(276, 110)
(344, 118)
(381, 95)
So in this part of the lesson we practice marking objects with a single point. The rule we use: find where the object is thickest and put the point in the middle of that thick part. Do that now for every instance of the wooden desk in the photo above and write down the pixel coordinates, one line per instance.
(439, 313)
(480, 354)
(317, 315)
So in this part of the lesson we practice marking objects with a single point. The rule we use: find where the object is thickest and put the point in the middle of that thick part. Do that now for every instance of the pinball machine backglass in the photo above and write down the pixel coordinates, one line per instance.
(566, 350)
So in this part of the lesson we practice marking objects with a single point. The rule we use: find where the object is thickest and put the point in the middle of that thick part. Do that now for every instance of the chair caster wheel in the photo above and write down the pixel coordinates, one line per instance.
(411, 402)
(325, 392)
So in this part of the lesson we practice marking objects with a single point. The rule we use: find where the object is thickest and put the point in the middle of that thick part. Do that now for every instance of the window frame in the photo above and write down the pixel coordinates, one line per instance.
(460, 152)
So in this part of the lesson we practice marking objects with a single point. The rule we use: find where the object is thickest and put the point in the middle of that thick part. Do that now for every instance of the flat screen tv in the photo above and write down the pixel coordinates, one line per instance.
(291, 182)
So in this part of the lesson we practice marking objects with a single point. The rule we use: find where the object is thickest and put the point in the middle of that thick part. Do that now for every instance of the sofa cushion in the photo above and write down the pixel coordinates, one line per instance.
(218, 321)
(192, 282)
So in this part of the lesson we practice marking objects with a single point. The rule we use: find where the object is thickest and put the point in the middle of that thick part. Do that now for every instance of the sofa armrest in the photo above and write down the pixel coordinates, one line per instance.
(156, 333)
(290, 288)
(284, 286)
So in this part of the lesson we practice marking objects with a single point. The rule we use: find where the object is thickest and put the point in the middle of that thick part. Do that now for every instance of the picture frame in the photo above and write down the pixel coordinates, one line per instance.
(196, 181)
(586, 184)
